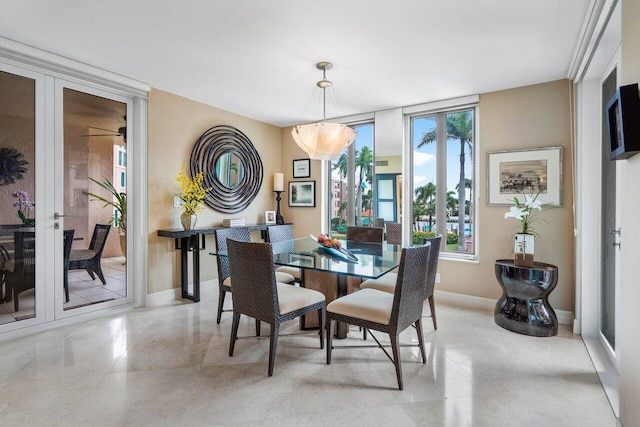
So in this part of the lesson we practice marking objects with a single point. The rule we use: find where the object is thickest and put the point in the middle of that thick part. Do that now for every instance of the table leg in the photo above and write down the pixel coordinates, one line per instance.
(186, 246)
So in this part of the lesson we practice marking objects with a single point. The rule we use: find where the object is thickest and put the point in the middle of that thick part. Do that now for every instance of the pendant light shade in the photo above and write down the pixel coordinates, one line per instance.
(323, 140)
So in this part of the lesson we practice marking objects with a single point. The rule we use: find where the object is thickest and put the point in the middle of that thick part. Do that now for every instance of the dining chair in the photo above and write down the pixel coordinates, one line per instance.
(387, 282)
(6, 249)
(90, 259)
(19, 271)
(381, 311)
(394, 233)
(68, 241)
(242, 234)
(280, 233)
(365, 234)
(257, 293)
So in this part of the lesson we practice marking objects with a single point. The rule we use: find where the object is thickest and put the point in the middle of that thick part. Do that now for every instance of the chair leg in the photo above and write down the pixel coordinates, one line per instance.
(221, 296)
(97, 268)
(421, 340)
(364, 334)
(16, 307)
(93, 276)
(329, 328)
(432, 307)
(273, 343)
(66, 286)
(321, 321)
(257, 328)
(395, 346)
(234, 332)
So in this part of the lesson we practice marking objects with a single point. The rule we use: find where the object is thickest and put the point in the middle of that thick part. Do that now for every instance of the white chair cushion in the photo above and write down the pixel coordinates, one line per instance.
(367, 304)
(293, 271)
(280, 277)
(283, 277)
(292, 298)
(385, 283)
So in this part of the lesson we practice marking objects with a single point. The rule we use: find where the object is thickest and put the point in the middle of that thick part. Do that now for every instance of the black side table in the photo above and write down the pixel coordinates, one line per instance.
(524, 305)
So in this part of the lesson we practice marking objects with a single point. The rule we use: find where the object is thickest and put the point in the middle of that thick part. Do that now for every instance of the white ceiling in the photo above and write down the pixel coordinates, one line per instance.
(257, 58)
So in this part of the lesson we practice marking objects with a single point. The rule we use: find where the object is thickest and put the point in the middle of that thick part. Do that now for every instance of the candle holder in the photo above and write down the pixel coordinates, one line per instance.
(279, 218)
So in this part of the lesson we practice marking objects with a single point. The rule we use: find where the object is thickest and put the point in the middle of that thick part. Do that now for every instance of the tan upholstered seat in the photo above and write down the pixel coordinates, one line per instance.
(292, 271)
(385, 283)
(292, 298)
(367, 304)
(281, 277)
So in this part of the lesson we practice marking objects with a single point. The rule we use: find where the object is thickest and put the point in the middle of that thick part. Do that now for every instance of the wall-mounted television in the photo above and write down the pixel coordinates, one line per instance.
(623, 122)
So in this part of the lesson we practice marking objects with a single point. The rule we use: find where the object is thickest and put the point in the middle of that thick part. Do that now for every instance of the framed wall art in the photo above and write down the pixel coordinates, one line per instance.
(514, 173)
(302, 168)
(302, 194)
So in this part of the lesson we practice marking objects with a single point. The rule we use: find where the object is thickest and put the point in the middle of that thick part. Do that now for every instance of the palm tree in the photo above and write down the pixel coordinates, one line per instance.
(460, 127)
(341, 165)
(451, 202)
(364, 166)
(468, 184)
(424, 196)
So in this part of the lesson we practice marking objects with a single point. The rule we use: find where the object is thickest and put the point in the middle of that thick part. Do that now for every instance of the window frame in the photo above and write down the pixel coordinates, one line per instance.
(445, 107)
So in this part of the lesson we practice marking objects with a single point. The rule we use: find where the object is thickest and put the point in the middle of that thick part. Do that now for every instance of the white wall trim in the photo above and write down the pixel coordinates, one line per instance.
(488, 304)
(28, 55)
(442, 105)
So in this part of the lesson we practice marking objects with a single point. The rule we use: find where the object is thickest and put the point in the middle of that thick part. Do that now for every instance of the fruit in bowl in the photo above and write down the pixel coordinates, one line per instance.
(322, 238)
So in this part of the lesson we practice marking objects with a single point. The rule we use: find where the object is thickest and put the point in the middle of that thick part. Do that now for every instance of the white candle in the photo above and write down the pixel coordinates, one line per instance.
(278, 182)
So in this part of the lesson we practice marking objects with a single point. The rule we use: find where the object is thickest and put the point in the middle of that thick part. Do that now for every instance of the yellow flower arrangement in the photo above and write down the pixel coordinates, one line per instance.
(193, 192)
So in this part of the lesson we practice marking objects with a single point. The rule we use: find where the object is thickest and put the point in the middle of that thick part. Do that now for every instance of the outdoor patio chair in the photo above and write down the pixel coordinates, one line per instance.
(90, 259)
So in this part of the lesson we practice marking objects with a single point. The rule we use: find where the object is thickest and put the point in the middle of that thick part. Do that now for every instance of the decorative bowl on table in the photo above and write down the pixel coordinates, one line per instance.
(333, 247)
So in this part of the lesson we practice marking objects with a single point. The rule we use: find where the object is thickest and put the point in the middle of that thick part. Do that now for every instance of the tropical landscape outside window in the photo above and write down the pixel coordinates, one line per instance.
(343, 211)
(444, 140)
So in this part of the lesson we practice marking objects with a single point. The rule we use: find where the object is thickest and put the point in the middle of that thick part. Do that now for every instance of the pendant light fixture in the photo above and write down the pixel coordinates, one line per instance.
(323, 140)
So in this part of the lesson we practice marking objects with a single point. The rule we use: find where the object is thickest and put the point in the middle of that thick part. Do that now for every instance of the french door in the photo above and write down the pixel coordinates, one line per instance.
(54, 136)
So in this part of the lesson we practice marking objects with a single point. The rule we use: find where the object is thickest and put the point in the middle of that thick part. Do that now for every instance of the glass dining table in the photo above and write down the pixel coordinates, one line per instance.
(330, 273)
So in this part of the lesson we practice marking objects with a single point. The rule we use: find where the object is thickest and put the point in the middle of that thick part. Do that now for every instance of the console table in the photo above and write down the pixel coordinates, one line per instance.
(524, 306)
(194, 241)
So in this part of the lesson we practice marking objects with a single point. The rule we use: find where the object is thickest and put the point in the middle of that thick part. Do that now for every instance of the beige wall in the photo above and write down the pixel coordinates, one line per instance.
(527, 117)
(306, 220)
(629, 340)
(175, 123)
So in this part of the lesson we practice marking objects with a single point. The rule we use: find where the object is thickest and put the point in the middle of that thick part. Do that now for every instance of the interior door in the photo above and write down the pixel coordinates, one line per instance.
(610, 231)
(21, 238)
(90, 203)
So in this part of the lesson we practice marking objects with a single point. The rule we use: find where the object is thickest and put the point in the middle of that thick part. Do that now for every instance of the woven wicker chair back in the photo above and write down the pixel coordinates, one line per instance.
(279, 233)
(99, 238)
(254, 281)
(365, 234)
(241, 234)
(68, 240)
(25, 255)
(409, 293)
(378, 222)
(394, 233)
(434, 255)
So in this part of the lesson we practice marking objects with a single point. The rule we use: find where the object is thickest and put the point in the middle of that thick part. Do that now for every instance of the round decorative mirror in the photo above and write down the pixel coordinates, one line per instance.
(230, 165)
(229, 170)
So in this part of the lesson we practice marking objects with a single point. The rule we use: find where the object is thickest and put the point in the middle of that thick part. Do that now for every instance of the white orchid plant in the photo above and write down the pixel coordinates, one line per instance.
(526, 212)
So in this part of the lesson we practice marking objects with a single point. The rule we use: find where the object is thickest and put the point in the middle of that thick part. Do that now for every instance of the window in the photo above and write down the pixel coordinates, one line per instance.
(123, 181)
(357, 187)
(443, 178)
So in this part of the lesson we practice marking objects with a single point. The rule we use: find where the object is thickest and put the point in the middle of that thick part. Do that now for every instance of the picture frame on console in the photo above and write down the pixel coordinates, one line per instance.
(302, 194)
(516, 172)
(269, 217)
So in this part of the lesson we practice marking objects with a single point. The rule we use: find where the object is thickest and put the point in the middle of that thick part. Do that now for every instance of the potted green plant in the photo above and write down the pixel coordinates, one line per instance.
(119, 203)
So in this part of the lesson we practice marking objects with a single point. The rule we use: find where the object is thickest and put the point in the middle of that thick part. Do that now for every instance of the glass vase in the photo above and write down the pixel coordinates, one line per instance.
(188, 221)
(523, 248)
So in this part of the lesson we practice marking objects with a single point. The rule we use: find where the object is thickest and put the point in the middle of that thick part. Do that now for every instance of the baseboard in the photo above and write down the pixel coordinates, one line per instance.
(174, 296)
(488, 304)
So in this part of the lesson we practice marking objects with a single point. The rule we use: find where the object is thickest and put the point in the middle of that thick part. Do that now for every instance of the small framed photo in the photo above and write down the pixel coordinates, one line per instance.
(302, 168)
(270, 217)
(302, 194)
(514, 173)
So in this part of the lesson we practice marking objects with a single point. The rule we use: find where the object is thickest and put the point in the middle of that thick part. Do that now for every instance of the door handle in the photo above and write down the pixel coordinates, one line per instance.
(615, 231)
(618, 244)
(56, 215)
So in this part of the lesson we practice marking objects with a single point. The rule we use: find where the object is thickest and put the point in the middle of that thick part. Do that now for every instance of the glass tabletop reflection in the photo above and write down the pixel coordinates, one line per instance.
(373, 259)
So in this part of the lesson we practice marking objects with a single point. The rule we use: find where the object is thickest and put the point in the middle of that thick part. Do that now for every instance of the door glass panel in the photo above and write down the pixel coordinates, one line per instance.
(17, 198)
(608, 288)
(94, 170)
